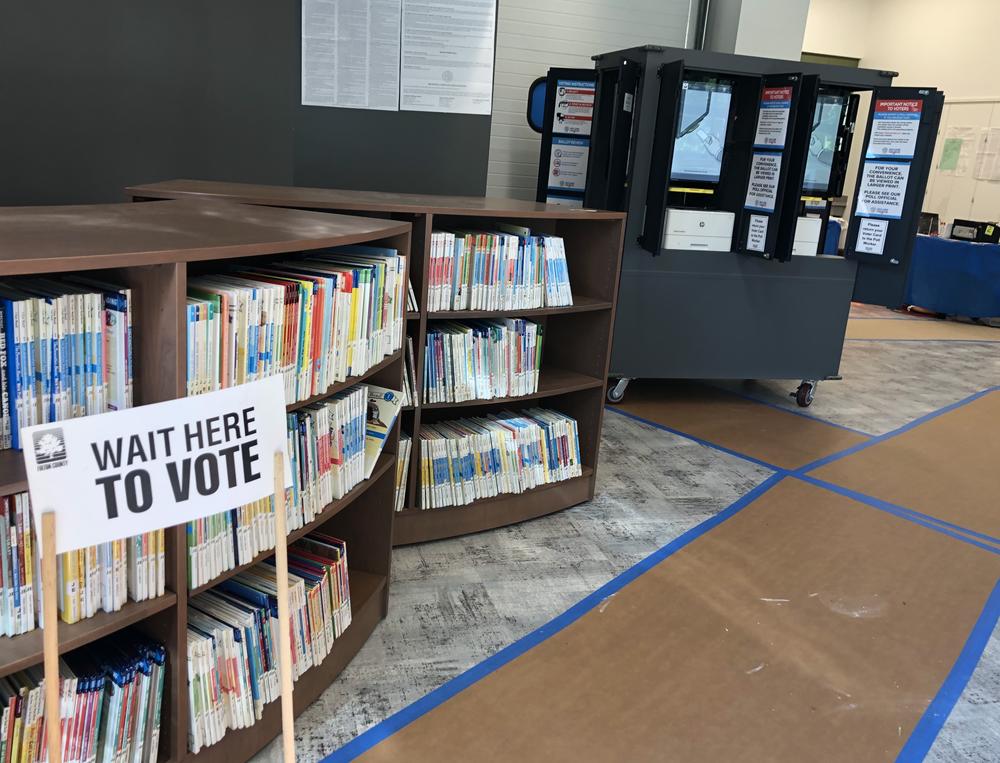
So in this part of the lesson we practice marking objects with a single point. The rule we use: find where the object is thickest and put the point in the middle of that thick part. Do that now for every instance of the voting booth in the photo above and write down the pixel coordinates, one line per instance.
(726, 166)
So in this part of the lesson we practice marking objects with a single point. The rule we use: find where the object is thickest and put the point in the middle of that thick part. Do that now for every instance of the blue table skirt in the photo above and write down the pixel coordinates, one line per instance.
(955, 277)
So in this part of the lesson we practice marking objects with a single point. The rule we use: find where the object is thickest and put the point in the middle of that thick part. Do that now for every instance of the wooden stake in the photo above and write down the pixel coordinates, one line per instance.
(284, 616)
(50, 638)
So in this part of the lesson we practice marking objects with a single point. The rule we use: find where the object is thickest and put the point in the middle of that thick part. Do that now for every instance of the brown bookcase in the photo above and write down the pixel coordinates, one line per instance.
(576, 350)
(151, 248)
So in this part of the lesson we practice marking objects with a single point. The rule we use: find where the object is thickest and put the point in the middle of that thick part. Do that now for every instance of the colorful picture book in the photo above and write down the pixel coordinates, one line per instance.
(111, 701)
(315, 320)
(232, 644)
(65, 351)
(467, 459)
(481, 360)
(98, 578)
(496, 270)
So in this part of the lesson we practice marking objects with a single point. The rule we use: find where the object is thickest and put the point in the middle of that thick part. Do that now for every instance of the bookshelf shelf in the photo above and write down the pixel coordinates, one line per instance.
(150, 248)
(23, 651)
(385, 462)
(349, 382)
(551, 382)
(576, 349)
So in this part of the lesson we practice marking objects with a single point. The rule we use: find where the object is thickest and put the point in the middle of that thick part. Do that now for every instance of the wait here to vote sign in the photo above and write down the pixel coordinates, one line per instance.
(120, 474)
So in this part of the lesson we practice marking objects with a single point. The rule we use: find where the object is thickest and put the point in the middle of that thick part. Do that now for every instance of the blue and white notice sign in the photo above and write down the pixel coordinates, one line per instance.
(895, 124)
(772, 119)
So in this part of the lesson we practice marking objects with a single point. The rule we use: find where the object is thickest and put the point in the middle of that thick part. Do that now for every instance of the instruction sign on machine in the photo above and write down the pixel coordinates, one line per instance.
(772, 121)
(895, 124)
(762, 191)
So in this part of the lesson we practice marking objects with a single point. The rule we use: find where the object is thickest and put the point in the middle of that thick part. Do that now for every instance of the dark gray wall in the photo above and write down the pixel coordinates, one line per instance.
(98, 95)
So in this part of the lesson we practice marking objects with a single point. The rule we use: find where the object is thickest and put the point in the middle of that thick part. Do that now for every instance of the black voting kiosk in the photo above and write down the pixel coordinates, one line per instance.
(726, 166)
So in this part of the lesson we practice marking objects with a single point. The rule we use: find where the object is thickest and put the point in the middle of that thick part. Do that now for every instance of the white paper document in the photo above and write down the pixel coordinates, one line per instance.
(447, 56)
(871, 236)
(757, 233)
(883, 187)
(762, 191)
(350, 53)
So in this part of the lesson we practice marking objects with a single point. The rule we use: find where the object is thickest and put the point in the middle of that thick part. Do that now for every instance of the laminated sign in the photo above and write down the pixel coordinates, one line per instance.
(882, 190)
(772, 120)
(762, 192)
(574, 109)
(895, 124)
(124, 473)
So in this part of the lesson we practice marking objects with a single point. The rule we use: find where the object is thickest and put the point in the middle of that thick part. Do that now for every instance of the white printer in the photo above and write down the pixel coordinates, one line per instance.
(807, 232)
(699, 229)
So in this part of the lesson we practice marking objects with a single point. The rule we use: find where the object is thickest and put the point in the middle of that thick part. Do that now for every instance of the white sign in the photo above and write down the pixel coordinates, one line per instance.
(565, 201)
(871, 236)
(757, 233)
(895, 124)
(124, 473)
(447, 56)
(762, 192)
(350, 53)
(883, 186)
(574, 107)
(772, 119)
(568, 163)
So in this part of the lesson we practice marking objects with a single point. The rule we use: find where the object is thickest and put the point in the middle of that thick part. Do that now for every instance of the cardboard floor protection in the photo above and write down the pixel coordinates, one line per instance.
(946, 467)
(889, 328)
(762, 431)
(807, 627)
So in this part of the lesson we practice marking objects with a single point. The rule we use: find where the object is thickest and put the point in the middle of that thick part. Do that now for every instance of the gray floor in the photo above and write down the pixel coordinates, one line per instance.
(454, 603)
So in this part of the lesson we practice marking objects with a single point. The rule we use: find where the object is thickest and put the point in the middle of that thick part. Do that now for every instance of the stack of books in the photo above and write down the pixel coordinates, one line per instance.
(111, 697)
(481, 360)
(232, 640)
(402, 470)
(65, 351)
(467, 459)
(96, 578)
(316, 320)
(333, 446)
(506, 270)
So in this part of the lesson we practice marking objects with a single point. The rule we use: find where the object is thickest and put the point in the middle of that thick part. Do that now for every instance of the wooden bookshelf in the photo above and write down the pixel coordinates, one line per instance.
(152, 248)
(576, 348)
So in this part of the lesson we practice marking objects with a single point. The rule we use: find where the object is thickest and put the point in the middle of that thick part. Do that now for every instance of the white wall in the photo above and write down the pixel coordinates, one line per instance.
(837, 27)
(772, 28)
(533, 35)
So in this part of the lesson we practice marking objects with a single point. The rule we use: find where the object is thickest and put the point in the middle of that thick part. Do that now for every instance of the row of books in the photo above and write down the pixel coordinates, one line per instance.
(316, 320)
(333, 446)
(480, 457)
(65, 351)
(402, 470)
(111, 699)
(97, 578)
(507, 269)
(232, 644)
(481, 360)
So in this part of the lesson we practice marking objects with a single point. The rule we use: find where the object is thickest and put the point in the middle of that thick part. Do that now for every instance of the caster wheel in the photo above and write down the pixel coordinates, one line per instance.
(805, 394)
(616, 393)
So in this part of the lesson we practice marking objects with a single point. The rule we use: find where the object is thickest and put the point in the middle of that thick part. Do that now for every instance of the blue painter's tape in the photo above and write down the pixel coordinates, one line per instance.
(889, 435)
(706, 443)
(937, 712)
(909, 515)
(410, 713)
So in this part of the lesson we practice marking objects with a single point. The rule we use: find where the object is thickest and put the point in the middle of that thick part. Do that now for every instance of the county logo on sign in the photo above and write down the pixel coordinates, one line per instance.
(50, 448)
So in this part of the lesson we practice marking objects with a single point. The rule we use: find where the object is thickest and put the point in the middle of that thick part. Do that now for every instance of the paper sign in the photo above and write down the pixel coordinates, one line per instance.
(124, 473)
(574, 109)
(772, 120)
(757, 233)
(566, 201)
(762, 192)
(883, 187)
(871, 236)
(895, 124)
(568, 163)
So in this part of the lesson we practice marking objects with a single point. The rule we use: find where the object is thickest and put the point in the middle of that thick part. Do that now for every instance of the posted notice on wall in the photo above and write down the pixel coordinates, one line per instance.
(568, 163)
(350, 53)
(762, 192)
(882, 190)
(772, 120)
(895, 124)
(447, 56)
(115, 475)
(871, 236)
(757, 233)
(574, 107)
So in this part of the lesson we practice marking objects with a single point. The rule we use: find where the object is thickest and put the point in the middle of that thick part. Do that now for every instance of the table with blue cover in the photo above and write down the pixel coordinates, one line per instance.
(955, 277)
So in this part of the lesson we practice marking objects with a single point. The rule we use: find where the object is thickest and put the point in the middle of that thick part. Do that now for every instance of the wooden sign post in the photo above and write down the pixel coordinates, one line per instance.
(284, 616)
(115, 475)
